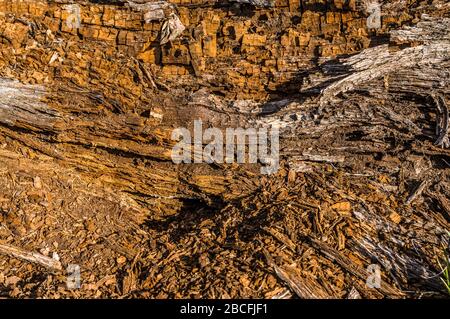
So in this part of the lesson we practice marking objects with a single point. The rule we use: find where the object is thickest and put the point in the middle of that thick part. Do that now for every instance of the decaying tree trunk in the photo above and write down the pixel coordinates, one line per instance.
(86, 117)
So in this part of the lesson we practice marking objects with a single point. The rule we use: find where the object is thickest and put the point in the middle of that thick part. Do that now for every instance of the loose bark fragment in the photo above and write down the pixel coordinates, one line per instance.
(33, 257)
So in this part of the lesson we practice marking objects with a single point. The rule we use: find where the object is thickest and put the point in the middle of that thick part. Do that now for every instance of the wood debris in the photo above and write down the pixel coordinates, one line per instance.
(51, 263)
(89, 99)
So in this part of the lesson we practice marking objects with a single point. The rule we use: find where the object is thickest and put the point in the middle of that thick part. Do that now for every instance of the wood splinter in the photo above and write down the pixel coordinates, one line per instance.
(417, 192)
(31, 257)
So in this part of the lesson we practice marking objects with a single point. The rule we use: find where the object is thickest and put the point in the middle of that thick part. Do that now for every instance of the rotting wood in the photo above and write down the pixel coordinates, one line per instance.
(417, 191)
(442, 126)
(94, 125)
(354, 294)
(303, 287)
(33, 257)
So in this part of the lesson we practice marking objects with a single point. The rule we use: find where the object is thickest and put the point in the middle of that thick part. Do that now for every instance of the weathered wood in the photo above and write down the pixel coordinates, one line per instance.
(33, 257)
(362, 116)
(304, 288)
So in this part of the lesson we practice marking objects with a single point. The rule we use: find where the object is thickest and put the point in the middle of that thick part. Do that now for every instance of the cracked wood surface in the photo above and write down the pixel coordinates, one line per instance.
(86, 169)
